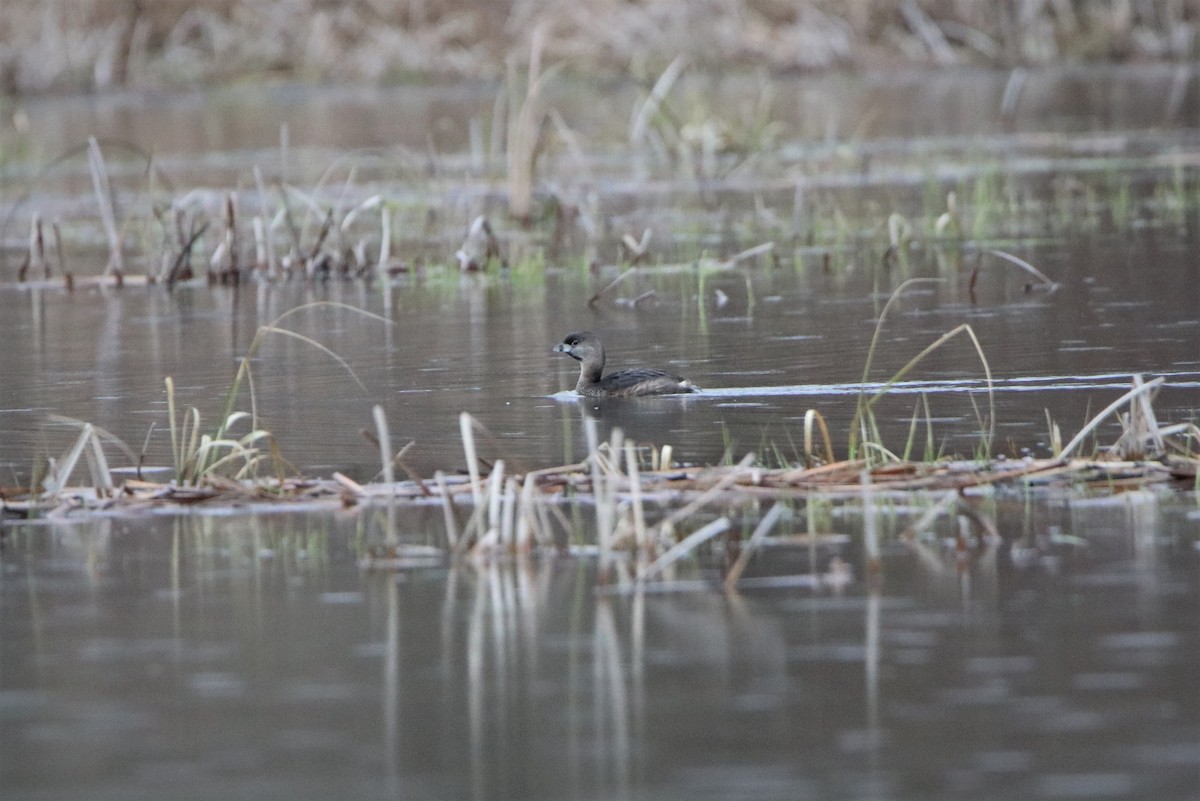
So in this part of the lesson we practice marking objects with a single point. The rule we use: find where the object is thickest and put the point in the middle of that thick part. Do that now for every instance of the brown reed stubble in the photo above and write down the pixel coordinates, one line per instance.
(98, 44)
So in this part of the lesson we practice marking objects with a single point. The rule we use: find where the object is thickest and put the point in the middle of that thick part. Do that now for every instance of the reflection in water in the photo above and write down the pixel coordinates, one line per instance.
(249, 654)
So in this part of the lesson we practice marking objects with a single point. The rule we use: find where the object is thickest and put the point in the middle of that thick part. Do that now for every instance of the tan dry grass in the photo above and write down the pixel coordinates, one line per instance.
(91, 44)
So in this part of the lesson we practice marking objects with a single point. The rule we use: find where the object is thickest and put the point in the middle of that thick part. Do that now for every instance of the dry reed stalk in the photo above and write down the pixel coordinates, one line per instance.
(232, 273)
(216, 260)
(98, 467)
(748, 253)
(811, 417)
(1137, 391)
(596, 297)
(507, 514)
(264, 214)
(60, 472)
(635, 249)
(385, 240)
(524, 129)
(495, 493)
(385, 444)
(1043, 280)
(635, 491)
(1141, 434)
(640, 126)
(447, 510)
(104, 198)
(350, 485)
(527, 516)
(466, 430)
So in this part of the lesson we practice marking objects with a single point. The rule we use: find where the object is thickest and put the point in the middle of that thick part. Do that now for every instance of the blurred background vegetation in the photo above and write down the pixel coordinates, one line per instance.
(82, 45)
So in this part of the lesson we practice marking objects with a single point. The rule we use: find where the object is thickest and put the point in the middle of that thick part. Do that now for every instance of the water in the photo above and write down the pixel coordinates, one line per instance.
(247, 654)
(786, 340)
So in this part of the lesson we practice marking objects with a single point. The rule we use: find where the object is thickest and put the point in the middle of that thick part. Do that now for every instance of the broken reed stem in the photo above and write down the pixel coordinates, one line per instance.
(596, 297)
(749, 253)
(1112, 407)
(1024, 265)
(61, 471)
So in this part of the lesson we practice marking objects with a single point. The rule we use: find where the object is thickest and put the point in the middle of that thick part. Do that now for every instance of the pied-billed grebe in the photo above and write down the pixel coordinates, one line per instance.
(586, 348)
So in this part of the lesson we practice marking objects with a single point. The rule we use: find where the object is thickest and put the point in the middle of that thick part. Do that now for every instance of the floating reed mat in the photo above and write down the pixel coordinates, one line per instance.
(673, 486)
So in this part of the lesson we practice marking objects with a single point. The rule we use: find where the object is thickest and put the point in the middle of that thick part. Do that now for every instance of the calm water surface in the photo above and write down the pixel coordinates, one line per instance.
(781, 341)
(249, 657)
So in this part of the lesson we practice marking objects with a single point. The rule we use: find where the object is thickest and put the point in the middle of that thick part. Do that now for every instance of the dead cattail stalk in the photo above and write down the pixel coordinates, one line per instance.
(232, 273)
